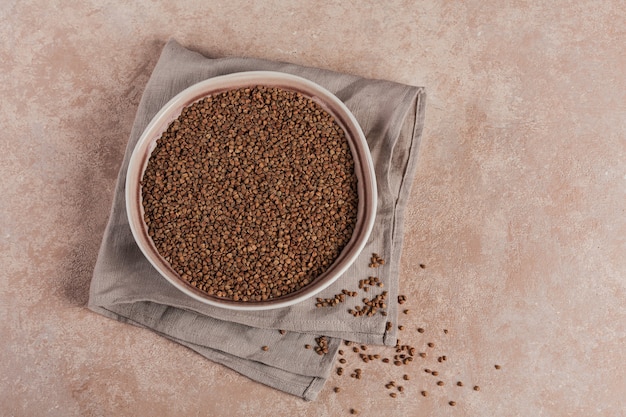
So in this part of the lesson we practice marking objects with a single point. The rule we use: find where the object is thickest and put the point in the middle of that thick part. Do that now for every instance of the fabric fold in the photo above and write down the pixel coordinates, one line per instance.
(127, 288)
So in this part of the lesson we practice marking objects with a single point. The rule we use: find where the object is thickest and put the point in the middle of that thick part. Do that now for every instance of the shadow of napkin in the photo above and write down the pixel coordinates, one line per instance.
(127, 288)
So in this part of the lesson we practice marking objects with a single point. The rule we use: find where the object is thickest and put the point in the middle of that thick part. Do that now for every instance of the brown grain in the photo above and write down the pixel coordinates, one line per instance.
(251, 194)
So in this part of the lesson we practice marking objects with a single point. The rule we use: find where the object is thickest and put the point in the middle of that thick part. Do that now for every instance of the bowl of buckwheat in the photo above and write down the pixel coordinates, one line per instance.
(252, 191)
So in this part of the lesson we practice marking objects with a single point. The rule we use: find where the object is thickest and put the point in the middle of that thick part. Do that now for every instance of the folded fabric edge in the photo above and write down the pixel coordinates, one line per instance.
(364, 336)
(308, 392)
(416, 114)
(409, 174)
(306, 387)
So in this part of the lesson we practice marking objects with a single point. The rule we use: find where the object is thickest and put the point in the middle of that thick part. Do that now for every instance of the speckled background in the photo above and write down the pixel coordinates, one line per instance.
(517, 209)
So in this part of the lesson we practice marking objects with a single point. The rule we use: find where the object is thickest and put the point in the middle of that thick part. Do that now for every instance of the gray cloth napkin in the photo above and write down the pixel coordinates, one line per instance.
(127, 288)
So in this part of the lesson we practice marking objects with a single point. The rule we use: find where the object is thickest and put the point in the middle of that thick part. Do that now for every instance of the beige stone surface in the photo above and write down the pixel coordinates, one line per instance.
(517, 210)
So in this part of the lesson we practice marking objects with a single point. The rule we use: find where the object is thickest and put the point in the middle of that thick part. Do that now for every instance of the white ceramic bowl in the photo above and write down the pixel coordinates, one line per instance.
(364, 170)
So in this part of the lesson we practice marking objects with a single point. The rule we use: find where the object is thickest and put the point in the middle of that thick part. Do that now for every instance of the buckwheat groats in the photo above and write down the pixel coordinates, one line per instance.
(251, 194)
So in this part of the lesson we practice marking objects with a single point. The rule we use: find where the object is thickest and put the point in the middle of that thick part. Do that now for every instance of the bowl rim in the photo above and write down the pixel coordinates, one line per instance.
(364, 170)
